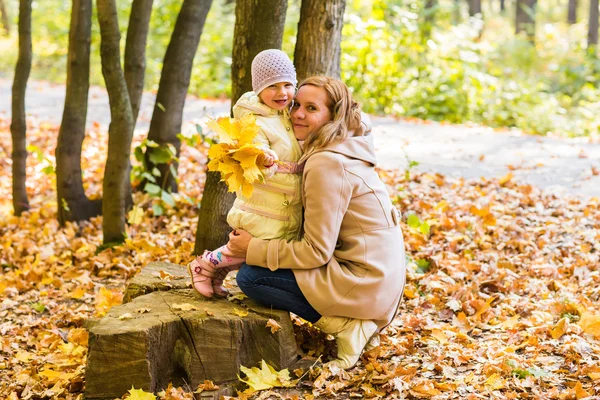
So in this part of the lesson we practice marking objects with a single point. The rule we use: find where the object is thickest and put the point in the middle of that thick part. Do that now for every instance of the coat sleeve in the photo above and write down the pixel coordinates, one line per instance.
(327, 194)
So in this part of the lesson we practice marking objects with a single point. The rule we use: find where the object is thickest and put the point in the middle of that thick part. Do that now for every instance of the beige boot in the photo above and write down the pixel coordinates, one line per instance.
(351, 337)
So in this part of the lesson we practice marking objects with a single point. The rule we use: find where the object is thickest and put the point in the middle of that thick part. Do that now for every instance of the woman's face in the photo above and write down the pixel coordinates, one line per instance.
(310, 110)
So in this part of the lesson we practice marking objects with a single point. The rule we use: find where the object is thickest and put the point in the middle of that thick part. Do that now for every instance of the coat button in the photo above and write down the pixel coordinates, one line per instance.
(288, 128)
(286, 203)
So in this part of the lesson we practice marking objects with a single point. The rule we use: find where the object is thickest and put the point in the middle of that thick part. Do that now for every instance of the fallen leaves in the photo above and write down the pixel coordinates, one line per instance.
(266, 377)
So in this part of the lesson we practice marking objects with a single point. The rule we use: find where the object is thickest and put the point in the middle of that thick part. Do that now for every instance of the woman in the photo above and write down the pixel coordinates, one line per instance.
(346, 275)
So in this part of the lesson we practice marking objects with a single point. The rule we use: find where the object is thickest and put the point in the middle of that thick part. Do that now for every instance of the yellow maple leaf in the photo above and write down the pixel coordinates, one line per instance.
(560, 328)
(78, 336)
(424, 389)
(106, 299)
(495, 382)
(236, 157)
(590, 323)
(135, 216)
(266, 377)
(240, 312)
(139, 394)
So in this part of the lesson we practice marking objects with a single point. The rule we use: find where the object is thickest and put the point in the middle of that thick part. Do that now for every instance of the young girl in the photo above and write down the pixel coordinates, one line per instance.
(274, 211)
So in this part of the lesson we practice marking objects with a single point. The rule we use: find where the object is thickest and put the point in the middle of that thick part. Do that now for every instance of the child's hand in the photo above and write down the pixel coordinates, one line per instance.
(268, 158)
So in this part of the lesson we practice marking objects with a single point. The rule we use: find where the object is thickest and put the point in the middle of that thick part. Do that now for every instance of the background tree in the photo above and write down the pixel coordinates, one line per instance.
(474, 7)
(135, 64)
(525, 18)
(593, 27)
(318, 44)
(121, 125)
(18, 126)
(428, 19)
(73, 204)
(135, 51)
(174, 83)
(572, 12)
(502, 6)
(252, 34)
(4, 19)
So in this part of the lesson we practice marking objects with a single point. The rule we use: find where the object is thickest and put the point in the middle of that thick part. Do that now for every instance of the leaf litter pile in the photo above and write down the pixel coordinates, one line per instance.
(502, 298)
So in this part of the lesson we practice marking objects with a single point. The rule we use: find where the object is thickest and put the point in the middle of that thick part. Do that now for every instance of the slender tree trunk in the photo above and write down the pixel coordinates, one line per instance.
(73, 204)
(135, 51)
(525, 18)
(258, 26)
(4, 20)
(18, 126)
(174, 82)
(251, 36)
(593, 27)
(502, 6)
(135, 65)
(318, 45)
(428, 19)
(456, 12)
(572, 14)
(474, 7)
(121, 124)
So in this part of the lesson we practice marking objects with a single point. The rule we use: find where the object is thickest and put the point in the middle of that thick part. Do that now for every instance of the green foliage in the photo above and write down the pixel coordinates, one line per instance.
(155, 184)
(413, 221)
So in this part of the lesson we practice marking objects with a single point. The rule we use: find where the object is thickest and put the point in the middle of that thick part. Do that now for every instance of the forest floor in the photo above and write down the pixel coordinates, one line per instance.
(503, 292)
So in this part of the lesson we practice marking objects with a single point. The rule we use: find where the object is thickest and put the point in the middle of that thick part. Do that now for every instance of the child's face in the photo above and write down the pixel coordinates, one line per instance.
(278, 96)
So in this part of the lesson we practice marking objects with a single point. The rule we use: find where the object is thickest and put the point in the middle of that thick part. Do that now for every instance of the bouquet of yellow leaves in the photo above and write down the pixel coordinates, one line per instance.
(235, 156)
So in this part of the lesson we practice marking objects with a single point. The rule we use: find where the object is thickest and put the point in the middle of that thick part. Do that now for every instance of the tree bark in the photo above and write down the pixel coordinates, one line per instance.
(121, 125)
(593, 25)
(525, 18)
(18, 126)
(135, 65)
(174, 82)
(135, 51)
(73, 204)
(258, 26)
(572, 14)
(428, 19)
(474, 7)
(4, 20)
(318, 45)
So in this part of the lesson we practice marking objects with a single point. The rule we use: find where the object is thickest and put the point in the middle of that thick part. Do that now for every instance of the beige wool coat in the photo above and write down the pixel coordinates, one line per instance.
(350, 261)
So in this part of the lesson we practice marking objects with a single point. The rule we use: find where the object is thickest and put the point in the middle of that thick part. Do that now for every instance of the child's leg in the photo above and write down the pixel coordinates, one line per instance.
(202, 284)
(220, 260)
(217, 282)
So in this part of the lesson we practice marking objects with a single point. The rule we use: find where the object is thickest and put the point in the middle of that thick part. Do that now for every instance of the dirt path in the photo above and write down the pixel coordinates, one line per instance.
(559, 165)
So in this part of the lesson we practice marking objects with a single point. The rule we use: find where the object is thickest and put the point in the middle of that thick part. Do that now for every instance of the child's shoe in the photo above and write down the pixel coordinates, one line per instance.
(201, 283)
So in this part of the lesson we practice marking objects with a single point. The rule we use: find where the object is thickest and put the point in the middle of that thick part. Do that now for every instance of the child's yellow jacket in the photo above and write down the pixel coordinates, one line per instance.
(274, 211)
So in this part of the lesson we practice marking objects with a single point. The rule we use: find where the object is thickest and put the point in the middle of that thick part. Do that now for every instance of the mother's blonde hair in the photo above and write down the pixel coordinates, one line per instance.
(345, 114)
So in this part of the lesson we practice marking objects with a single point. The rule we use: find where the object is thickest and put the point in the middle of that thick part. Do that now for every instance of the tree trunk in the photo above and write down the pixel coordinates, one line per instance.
(474, 7)
(319, 38)
(456, 12)
(252, 34)
(121, 125)
(73, 204)
(572, 15)
(18, 126)
(174, 82)
(593, 26)
(428, 19)
(502, 6)
(525, 18)
(135, 51)
(4, 20)
(135, 65)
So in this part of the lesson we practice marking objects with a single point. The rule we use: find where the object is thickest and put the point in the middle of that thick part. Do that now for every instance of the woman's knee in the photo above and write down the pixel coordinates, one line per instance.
(244, 277)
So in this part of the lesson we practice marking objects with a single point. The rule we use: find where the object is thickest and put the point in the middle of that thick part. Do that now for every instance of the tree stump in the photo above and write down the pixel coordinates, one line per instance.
(149, 280)
(177, 336)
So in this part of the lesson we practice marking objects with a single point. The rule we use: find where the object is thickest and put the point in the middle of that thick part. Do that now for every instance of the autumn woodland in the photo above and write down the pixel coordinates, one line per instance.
(503, 288)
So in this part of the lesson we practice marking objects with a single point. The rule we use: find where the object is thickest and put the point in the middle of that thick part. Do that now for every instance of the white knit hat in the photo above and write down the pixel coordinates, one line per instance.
(269, 67)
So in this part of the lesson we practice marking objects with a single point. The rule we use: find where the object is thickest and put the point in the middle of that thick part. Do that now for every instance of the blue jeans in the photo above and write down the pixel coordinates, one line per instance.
(277, 289)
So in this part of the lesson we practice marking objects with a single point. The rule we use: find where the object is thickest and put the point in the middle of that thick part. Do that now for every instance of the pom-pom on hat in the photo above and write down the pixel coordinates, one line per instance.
(269, 67)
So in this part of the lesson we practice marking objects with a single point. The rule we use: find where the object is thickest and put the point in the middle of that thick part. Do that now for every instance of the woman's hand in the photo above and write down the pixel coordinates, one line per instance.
(239, 240)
